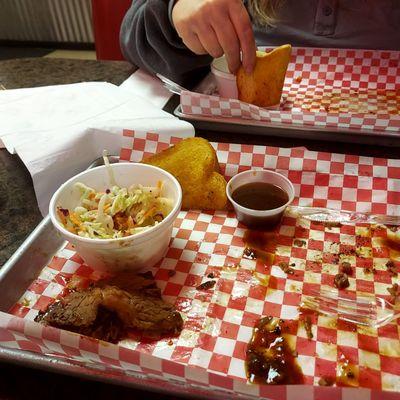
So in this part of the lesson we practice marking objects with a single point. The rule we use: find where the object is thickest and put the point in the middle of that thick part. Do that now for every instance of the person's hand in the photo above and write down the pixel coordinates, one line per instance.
(217, 27)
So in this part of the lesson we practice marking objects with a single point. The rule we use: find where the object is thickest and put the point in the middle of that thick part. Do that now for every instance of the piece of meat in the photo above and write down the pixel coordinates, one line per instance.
(345, 267)
(391, 267)
(77, 309)
(284, 266)
(394, 291)
(82, 312)
(141, 312)
(308, 327)
(341, 281)
(206, 285)
(107, 326)
(133, 283)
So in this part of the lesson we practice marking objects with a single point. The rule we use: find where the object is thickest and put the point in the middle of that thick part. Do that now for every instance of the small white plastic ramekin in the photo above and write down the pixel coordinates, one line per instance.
(226, 82)
(259, 218)
(133, 252)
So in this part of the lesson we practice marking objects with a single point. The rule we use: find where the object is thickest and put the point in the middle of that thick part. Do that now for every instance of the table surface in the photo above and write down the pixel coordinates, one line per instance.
(19, 213)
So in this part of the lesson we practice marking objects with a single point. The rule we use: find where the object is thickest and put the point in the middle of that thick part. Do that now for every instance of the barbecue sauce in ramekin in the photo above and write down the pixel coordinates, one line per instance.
(260, 196)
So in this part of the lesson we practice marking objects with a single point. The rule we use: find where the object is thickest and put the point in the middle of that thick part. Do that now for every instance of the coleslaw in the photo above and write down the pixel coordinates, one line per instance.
(117, 212)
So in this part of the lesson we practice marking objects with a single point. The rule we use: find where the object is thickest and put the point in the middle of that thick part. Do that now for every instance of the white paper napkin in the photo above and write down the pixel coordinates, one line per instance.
(143, 84)
(57, 131)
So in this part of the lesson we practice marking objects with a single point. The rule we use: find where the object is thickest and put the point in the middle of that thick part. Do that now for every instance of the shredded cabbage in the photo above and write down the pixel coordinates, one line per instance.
(117, 212)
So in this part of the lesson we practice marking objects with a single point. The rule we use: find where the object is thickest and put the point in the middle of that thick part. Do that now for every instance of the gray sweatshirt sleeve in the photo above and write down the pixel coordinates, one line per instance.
(149, 41)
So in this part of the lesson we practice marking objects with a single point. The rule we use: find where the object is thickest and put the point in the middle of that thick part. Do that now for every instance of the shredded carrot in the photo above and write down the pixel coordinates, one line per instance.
(71, 229)
(130, 224)
(149, 212)
(75, 219)
(91, 196)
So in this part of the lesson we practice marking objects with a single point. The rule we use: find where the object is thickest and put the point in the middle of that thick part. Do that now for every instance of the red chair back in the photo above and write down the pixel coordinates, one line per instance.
(107, 18)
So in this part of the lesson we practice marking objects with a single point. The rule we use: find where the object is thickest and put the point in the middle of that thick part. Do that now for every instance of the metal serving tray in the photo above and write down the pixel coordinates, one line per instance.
(262, 128)
(251, 127)
(17, 274)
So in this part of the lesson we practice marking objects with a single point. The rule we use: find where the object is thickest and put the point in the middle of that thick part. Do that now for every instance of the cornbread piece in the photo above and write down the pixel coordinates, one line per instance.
(263, 87)
(194, 164)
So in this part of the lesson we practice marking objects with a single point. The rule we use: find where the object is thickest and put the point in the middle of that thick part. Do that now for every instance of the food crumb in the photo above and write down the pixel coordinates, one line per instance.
(391, 267)
(171, 272)
(299, 242)
(345, 267)
(350, 375)
(394, 291)
(332, 224)
(249, 253)
(211, 275)
(298, 79)
(341, 281)
(284, 266)
(206, 285)
(25, 302)
(307, 326)
(170, 342)
(326, 381)
(63, 211)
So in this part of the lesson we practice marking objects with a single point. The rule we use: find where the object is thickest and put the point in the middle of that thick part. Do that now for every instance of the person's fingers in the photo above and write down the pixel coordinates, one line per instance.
(193, 43)
(244, 30)
(229, 42)
(209, 40)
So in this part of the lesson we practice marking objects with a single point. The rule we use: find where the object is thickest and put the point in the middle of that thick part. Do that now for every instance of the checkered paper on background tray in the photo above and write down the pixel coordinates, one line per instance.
(209, 353)
(348, 90)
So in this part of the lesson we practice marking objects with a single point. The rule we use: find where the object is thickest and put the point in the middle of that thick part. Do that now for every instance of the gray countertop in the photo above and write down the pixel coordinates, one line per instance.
(19, 213)
(32, 72)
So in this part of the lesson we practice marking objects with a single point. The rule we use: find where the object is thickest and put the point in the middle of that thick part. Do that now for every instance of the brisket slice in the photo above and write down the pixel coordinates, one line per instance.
(133, 283)
(104, 312)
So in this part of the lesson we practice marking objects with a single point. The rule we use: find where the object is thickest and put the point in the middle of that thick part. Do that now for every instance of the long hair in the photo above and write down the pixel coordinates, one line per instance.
(264, 12)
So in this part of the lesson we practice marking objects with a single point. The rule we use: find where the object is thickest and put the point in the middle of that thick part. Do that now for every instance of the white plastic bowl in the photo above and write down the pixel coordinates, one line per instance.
(133, 252)
(226, 82)
(259, 218)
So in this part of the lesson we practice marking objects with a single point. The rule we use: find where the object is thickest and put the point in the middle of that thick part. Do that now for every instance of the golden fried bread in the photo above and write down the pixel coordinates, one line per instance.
(194, 164)
(263, 87)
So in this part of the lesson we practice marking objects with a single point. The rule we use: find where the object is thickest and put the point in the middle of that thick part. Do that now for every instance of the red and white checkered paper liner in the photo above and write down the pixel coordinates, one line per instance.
(344, 89)
(209, 353)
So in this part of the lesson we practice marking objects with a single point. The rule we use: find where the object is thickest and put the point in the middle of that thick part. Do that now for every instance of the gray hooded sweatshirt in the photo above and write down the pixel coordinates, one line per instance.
(149, 40)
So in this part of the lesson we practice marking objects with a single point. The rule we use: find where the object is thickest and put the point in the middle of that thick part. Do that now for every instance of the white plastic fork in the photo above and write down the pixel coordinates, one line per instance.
(364, 310)
(172, 86)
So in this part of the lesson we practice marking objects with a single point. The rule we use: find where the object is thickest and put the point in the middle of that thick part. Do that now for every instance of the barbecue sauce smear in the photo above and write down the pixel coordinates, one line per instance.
(269, 358)
(260, 245)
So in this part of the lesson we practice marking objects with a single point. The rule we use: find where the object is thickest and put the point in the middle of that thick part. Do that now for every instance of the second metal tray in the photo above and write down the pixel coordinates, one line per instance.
(262, 128)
